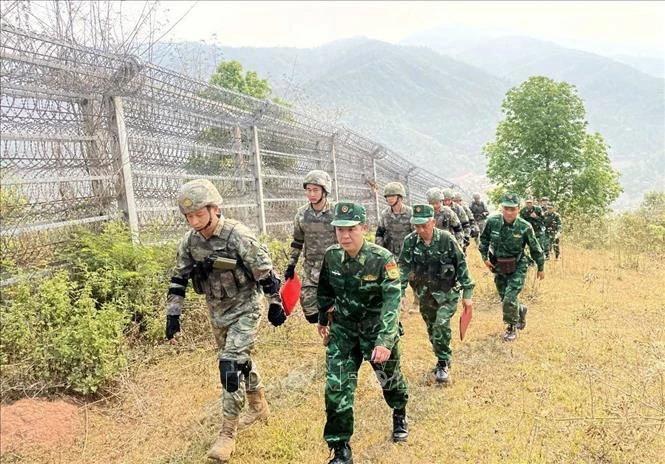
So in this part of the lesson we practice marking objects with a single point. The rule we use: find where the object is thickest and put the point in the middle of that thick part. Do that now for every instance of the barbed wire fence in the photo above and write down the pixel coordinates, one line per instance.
(89, 137)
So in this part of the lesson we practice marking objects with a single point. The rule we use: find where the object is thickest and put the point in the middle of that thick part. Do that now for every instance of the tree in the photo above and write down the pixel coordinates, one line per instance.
(542, 148)
(229, 74)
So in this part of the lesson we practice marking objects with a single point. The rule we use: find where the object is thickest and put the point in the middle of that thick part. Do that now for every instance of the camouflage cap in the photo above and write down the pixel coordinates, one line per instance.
(422, 214)
(197, 194)
(349, 214)
(510, 200)
(544, 199)
(528, 200)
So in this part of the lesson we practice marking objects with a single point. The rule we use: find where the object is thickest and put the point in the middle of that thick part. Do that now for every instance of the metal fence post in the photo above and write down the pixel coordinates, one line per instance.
(334, 160)
(376, 190)
(127, 192)
(258, 173)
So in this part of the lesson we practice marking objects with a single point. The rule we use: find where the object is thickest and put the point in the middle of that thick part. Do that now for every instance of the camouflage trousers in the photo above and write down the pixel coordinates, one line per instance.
(509, 287)
(308, 300)
(550, 242)
(235, 334)
(480, 223)
(437, 320)
(348, 346)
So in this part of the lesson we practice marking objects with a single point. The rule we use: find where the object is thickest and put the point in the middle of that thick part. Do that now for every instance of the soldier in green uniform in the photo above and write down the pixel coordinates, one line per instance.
(361, 281)
(394, 222)
(226, 262)
(533, 214)
(312, 235)
(433, 263)
(480, 213)
(502, 249)
(553, 230)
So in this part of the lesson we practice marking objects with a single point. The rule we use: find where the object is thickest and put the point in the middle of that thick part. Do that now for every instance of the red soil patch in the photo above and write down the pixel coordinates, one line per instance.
(37, 423)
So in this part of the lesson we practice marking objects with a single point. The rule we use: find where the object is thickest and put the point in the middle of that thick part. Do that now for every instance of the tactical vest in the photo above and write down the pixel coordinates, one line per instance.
(460, 213)
(435, 271)
(444, 219)
(319, 234)
(478, 210)
(397, 228)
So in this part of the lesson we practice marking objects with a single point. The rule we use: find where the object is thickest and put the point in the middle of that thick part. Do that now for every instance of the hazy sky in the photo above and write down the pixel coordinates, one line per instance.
(621, 26)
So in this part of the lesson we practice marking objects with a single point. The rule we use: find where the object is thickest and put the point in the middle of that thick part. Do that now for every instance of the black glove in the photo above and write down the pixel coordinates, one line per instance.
(290, 272)
(276, 314)
(172, 326)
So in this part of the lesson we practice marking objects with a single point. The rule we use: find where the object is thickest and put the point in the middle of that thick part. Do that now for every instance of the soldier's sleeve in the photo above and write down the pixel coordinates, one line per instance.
(298, 240)
(392, 293)
(469, 214)
(457, 226)
(462, 271)
(535, 249)
(484, 242)
(325, 293)
(485, 211)
(523, 214)
(380, 231)
(404, 263)
(464, 220)
(254, 254)
(183, 267)
(557, 221)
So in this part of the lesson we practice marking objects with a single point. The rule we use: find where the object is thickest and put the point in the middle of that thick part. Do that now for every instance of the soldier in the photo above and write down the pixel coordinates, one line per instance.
(533, 214)
(394, 222)
(359, 296)
(502, 248)
(444, 217)
(226, 262)
(480, 213)
(543, 204)
(473, 228)
(433, 263)
(553, 230)
(313, 233)
(464, 219)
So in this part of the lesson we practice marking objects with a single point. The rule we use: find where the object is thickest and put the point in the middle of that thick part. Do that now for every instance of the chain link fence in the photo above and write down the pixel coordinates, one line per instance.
(89, 137)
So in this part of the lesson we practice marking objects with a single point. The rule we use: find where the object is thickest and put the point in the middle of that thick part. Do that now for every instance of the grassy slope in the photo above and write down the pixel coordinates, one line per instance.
(583, 383)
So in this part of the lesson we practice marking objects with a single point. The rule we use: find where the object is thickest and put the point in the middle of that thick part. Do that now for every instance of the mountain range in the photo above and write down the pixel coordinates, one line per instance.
(438, 99)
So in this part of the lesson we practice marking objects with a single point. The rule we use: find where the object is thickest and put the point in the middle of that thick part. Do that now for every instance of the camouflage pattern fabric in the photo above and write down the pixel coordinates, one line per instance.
(312, 235)
(447, 219)
(538, 222)
(233, 297)
(422, 267)
(479, 212)
(464, 219)
(396, 227)
(553, 227)
(505, 240)
(365, 292)
(469, 215)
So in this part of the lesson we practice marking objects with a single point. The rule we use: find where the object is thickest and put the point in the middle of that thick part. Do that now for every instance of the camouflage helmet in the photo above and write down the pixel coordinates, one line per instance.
(457, 196)
(448, 194)
(476, 196)
(320, 178)
(197, 194)
(434, 194)
(394, 188)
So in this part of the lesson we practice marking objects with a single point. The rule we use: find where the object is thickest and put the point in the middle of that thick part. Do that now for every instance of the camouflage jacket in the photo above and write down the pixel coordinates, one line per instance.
(479, 210)
(393, 228)
(552, 222)
(463, 218)
(447, 219)
(436, 268)
(508, 240)
(312, 235)
(362, 289)
(225, 289)
(469, 215)
(537, 222)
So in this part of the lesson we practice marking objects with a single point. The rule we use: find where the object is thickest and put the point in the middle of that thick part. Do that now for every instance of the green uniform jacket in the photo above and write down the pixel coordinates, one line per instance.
(424, 266)
(538, 222)
(508, 240)
(552, 223)
(361, 287)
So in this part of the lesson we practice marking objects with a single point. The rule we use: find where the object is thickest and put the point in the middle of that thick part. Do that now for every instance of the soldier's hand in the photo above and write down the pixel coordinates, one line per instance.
(380, 354)
(324, 330)
(534, 215)
(276, 314)
(540, 275)
(467, 304)
(290, 272)
(172, 327)
(489, 265)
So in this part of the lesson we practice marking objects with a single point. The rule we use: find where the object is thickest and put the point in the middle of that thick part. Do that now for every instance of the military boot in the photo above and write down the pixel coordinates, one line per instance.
(441, 371)
(400, 425)
(225, 445)
(342, 452)
(511, 333)
(522, 323)
(258, 409)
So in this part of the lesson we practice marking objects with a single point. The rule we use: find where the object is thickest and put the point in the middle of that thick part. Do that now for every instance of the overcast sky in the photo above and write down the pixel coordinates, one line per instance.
(636, 27)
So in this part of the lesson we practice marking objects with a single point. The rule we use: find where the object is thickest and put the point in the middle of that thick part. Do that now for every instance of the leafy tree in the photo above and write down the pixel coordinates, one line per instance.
(542, 148)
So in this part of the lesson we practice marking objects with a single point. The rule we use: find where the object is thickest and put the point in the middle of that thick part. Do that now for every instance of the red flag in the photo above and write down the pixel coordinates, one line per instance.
(290, 294)
(464, 321)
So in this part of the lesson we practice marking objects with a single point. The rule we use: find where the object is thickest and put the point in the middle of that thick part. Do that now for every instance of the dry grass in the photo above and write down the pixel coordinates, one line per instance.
(583, 383)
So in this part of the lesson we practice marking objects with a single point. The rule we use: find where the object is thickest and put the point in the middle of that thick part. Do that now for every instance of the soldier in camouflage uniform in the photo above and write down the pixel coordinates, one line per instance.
(433, 263)
(312, 234)
(473, 228)
(461, 214)
(360, 281)
(533, 214)
(394, 222)
(226, 262)
(553, 230)
(444, 217)
(544, 202)
(480, 213)
(502, 248)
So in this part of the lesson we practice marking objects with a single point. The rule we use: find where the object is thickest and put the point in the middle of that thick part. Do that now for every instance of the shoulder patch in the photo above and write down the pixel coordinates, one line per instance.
(392, 271)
